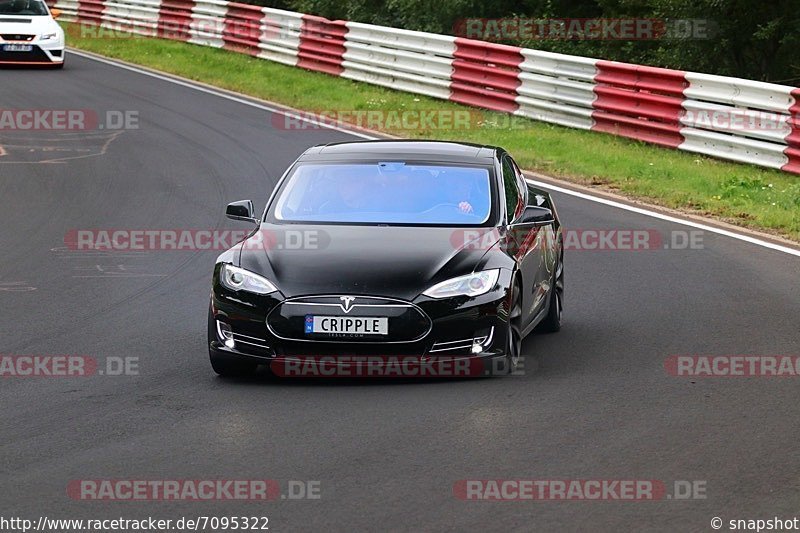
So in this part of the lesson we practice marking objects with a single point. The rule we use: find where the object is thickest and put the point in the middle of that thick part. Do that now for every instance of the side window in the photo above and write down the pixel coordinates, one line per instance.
(538, 199)
(521, 183)
(511, 188)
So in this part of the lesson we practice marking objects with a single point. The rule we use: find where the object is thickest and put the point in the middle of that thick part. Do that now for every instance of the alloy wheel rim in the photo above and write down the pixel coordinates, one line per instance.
(514, 337)
(559, 289)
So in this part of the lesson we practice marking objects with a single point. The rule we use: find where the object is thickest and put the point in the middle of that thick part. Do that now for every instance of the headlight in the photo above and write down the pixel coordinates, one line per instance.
(48, 36)
(473, 284)
(239, 279)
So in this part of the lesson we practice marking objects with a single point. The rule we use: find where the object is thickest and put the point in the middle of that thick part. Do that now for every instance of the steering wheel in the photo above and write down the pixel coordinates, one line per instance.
(437, 206)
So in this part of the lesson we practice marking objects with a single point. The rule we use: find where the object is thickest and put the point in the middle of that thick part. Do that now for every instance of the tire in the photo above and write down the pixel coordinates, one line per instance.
(226, 365)
(552, 323)
(514, 334)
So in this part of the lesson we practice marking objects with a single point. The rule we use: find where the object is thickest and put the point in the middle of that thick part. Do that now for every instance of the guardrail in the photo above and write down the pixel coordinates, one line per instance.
(728, 118)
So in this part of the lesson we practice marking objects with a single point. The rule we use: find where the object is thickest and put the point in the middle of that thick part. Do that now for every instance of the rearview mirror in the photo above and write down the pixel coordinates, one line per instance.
(56, 13)
(536, 215)
(242, 210)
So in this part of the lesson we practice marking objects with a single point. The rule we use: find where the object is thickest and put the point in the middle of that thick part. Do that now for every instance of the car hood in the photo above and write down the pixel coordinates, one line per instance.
(388, 261)
(36, 26)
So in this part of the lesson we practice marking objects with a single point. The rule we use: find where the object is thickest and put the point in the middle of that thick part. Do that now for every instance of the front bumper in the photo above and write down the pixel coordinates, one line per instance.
(488, 363)
(42, 53)
(465, 337)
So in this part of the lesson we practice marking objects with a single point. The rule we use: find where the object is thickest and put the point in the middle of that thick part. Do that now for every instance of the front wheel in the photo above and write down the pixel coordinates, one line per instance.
(552, 323)
(514, 335)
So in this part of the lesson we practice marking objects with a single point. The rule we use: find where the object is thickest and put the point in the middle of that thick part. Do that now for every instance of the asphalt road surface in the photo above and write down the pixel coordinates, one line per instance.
(595, 401)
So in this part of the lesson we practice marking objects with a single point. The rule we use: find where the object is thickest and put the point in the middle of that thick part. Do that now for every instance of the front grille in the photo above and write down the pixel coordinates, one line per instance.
(34, 56)
(258, 346)
(16, 37)
(407, 322)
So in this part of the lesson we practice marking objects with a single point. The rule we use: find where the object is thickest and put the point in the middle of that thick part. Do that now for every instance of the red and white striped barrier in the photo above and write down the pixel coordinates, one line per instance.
(410, 61)
(557, 88)
(175, 19)
(486, 75)
(793, 138)
(322, 45)
(729, 118)
(639, 102)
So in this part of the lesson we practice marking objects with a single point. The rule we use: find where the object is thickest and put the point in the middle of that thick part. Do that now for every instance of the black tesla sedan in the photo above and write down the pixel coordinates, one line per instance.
(371, 251)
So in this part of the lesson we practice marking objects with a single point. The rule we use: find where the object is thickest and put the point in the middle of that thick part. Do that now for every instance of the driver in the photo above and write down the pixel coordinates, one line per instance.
(18, 6)
(458, 191)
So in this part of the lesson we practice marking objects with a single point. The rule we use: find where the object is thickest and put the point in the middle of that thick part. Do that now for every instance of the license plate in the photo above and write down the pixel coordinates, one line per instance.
(17, 48)
(340, 325)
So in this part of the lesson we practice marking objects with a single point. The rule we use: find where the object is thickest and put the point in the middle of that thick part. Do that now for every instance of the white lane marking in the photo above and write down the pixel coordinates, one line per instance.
(604, 201)
(16, 286)
(668, 218)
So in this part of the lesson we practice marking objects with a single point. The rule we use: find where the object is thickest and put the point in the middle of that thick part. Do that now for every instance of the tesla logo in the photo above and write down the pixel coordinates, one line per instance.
(347, 303)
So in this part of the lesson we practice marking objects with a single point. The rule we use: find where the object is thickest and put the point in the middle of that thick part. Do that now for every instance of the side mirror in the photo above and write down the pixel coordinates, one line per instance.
(55, 12)
(541, 216)
(242, 210)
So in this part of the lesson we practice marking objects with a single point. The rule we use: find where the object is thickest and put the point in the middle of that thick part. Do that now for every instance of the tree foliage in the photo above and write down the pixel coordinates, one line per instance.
(745, 38)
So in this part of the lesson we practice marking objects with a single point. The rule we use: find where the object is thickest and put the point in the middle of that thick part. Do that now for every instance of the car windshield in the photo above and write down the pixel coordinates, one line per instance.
(22, 7)
(386, 193)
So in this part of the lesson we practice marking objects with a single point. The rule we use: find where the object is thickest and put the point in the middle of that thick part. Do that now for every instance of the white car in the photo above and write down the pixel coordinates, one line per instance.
(29, 34)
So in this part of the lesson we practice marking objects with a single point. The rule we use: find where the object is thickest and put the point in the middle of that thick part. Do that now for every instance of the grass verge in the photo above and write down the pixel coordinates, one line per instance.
(740, 194)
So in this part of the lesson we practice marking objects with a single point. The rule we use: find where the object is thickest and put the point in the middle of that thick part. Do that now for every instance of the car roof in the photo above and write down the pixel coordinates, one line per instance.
(440, 151)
